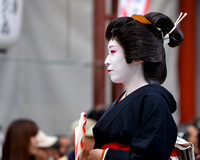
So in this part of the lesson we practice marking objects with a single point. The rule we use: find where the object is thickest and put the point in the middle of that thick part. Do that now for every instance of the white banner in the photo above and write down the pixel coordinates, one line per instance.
(130, 7)
(10, 22)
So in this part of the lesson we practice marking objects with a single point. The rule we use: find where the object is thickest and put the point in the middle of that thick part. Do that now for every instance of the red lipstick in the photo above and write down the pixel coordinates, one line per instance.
(109, 71)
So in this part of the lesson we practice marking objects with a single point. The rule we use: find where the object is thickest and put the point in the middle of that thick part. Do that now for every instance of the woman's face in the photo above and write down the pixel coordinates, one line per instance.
(33, 146)
(117, 67)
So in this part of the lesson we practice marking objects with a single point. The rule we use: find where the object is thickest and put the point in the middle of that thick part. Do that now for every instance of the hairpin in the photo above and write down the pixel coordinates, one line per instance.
(179, 19)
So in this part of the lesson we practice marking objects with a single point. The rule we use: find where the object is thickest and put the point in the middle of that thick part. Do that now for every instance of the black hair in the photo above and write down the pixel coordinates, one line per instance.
(145, 42)
(95, 114)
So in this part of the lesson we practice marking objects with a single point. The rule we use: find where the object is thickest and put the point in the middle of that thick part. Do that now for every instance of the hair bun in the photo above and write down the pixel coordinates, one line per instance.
(165, 24)
(176, 38)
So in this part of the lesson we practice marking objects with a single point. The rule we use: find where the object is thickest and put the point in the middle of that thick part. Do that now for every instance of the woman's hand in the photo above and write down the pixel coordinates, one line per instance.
(95, 154)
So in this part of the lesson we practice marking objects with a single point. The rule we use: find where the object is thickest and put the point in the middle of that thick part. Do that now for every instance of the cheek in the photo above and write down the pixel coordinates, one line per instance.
(33, 150)
(122, 67)
(123, 74)
(33, 145)
(34, 141)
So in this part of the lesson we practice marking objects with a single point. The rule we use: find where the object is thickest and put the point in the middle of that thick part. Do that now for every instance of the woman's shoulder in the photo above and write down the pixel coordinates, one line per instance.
(156, 94)
(152, 90)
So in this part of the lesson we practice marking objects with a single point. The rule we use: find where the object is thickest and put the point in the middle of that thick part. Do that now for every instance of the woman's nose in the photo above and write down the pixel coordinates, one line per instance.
(107, 61)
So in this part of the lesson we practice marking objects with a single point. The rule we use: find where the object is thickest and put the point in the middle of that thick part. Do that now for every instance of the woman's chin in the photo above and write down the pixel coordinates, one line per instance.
(33, 151)
(116, 81)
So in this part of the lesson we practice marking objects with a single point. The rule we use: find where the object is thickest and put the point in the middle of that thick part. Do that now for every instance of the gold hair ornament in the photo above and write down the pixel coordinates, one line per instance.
(141, 19)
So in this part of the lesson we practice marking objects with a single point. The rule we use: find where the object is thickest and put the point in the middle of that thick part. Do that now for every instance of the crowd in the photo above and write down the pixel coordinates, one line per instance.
(24, 140)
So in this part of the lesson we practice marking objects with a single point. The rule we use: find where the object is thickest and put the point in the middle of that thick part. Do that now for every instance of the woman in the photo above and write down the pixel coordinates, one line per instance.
(139, 124)
(20, 141)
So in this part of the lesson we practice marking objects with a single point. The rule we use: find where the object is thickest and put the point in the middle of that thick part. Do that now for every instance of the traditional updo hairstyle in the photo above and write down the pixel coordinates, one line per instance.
(145, 42)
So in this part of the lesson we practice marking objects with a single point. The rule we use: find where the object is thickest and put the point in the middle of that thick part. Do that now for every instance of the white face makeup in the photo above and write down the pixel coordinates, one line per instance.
(118, 69)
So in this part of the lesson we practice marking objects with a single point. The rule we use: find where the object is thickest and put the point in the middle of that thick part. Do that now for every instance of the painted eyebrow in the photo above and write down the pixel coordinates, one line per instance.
(112, 46)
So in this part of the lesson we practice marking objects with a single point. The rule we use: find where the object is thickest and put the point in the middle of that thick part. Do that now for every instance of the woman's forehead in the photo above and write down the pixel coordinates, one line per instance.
(113, 43)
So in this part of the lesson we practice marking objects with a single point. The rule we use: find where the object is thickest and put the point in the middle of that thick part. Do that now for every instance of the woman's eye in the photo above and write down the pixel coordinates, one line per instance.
(112, 51)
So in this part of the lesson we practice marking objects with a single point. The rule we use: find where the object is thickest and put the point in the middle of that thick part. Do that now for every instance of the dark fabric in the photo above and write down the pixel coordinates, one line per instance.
(71, 156)
(142, 120)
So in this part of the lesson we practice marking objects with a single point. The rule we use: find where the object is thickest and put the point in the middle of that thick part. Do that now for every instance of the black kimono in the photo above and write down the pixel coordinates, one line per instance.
(143, 121)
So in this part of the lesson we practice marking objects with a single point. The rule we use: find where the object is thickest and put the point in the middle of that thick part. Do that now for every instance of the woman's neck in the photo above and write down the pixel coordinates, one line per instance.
(137, 79)
(135, 86)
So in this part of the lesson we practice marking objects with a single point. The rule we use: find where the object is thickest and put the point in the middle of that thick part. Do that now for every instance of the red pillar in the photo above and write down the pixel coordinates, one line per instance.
(187, 62)
(99, 52)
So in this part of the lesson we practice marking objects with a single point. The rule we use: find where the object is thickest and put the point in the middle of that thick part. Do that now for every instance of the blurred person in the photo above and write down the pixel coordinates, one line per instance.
(63, 145)
(45, 144)
(88, 141)
(60, 149)
(55, 151)
(20, 140)
(193, 134)
(190, 132)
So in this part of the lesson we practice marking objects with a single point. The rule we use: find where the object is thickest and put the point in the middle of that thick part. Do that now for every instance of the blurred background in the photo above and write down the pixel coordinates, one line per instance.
(52, 59)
